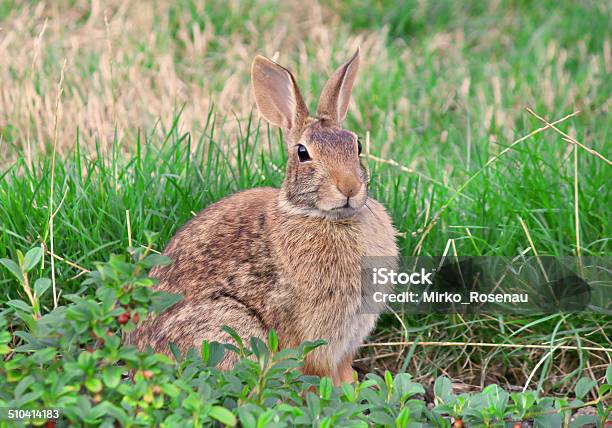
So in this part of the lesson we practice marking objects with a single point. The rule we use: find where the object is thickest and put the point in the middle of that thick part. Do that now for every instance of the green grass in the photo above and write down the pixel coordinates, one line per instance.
(445, 95)
(162, 186)
(165, 181)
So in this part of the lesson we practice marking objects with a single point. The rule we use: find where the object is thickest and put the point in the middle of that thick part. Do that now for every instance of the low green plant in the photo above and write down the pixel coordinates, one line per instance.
(72, 358)
(495, 407)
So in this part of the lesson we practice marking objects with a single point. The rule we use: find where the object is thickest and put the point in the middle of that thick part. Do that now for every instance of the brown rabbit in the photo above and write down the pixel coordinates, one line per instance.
(287, 259)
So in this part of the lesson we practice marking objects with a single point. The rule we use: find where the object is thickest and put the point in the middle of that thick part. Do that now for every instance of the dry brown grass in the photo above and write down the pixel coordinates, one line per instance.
(121, 73)
(131, 64)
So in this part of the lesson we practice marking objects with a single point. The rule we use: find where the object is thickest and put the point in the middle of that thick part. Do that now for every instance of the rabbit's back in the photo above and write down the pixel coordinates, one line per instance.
(229, 237)
(222, 266)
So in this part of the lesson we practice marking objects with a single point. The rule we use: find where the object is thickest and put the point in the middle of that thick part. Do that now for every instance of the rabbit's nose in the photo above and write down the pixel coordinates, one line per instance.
(348, 185)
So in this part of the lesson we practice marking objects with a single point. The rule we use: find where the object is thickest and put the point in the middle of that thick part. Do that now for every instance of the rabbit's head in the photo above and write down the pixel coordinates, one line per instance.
(325, 176)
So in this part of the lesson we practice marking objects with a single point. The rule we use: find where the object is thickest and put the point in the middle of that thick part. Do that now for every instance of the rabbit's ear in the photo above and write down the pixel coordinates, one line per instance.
(336, 94)
(276, 94)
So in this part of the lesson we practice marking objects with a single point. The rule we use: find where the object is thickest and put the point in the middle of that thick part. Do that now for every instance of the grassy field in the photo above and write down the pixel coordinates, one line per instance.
(149, 113)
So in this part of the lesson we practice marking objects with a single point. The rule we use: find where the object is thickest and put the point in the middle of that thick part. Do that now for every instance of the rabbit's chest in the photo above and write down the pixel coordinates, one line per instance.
(321, 277)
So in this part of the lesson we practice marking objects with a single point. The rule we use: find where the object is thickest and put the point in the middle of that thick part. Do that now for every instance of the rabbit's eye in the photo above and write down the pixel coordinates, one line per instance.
(358, 147)
(303, 153)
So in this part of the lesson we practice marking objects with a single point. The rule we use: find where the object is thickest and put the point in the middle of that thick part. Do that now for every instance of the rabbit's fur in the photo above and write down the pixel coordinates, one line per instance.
(287, 259)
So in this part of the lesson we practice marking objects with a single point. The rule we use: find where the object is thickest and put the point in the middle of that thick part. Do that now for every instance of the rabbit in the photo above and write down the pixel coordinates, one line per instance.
(287, 259)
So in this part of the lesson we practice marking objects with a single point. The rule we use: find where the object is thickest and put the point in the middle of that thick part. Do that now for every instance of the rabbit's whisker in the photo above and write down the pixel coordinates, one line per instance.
(306, 193)
(368, 207)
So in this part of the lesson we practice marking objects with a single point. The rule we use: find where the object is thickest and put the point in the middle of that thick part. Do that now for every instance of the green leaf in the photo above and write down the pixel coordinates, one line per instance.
(116, 412)
(162, 300)
(111, 375)
(603, 389)
(223, 415)
(405, 388)
(443, 390)
(382, 418)
(28, 397)
(32, 258)
(205, 351)
(523, 400)
(314, 404)
(41, 285)
(272, 340)
(308, 347)
(216, 352)
(23, 385)
(97, 412)
(547, 420)
(234, 335)
(583, 421)
(20, 304)
(583, 386)
(108, 297)
(171, 390)
(289, 409)
(13, 268)
(609, 374)
(366, 384)
(266, 418)
(247, 420)
(20, 259)
(348, 391)
(176, 352)
(93, 384)
(402, 418)
(325, 388)
(156, 260)
(389, 379)
(43, 356)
